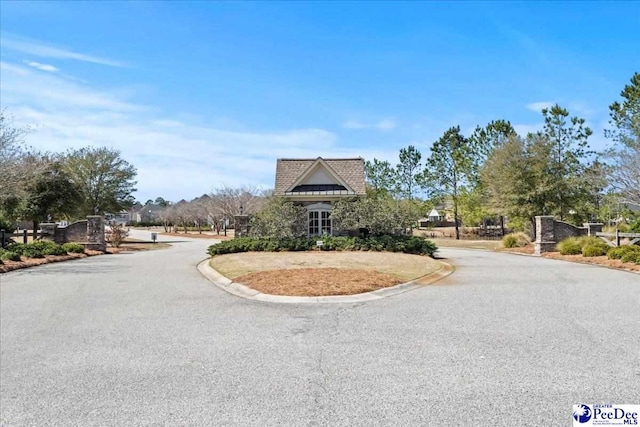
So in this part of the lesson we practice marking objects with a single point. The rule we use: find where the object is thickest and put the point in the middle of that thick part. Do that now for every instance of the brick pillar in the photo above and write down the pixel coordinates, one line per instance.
(48, 231)
(95, 233)
(593, 228)
(241, 226)
(545, 235)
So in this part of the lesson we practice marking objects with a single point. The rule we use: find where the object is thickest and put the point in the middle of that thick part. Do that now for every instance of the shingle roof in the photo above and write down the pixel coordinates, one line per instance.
(351, 171)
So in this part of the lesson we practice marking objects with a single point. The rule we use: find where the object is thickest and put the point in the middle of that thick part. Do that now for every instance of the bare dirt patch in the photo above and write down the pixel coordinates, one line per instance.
(317, 273)
(318, 281)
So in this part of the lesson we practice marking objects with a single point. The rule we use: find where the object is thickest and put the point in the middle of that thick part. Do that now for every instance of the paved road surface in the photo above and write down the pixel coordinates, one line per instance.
(143, 339)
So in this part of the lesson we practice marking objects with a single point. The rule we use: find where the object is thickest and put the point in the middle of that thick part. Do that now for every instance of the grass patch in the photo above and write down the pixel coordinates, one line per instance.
(404, 267)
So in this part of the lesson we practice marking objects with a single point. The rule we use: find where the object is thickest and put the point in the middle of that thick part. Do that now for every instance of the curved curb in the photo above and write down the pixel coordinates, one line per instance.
(243, 291)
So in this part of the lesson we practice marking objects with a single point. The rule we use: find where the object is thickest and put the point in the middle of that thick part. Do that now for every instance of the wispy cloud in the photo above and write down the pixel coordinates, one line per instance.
(42, 50)
(176, 157)
(384, 125)
(50, 91)
(42, 67)
(539, 106)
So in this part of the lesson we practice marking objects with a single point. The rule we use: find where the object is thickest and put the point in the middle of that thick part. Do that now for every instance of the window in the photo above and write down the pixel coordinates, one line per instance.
(319, 223)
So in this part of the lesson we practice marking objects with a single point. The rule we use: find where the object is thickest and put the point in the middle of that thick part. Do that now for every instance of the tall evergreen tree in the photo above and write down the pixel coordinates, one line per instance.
(452, 167)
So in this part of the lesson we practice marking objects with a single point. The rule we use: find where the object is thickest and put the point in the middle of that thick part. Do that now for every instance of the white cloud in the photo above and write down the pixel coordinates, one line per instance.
(42, 50)
(383, 125)
(51, 91)
(42, 67)
(386, 124)
(175, 157)
(537, 107)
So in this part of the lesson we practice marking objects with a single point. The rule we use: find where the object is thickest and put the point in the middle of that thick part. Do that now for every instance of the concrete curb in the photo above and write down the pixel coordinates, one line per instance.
(240, 290)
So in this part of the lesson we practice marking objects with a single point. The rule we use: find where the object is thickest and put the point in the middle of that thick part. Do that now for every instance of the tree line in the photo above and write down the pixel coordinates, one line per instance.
(495, 171)
(43, 186)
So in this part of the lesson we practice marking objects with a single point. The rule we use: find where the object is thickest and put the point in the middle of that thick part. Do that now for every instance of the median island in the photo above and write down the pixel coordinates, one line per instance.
(340, 266)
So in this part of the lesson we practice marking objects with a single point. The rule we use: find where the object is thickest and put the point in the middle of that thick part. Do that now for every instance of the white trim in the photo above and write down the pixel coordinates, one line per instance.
(319, 207)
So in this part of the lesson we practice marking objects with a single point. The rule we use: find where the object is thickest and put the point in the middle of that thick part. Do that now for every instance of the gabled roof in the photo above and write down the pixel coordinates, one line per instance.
(349, 172)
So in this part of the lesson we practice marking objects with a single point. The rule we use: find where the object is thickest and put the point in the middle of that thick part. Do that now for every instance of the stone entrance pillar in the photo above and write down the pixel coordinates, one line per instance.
(95, 233)
(545, 235)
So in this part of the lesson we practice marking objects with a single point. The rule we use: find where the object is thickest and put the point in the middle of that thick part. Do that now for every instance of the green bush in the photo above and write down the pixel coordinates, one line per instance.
(569, 246)
(6, 255)
(628, 253)
(37, 249)
(516, 240)
(75, 248)
(593, 250)
(405, 244)
(634, 227)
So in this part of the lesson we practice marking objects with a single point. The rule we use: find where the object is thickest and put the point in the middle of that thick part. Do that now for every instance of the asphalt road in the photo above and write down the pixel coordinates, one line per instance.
(143, 339)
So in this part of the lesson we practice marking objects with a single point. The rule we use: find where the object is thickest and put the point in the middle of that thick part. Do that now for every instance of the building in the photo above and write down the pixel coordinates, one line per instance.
(317, 183)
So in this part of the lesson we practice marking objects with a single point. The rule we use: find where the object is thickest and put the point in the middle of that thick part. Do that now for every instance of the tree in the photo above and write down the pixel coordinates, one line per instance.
(510, 179)
(451, 167)
(51, 195)
(106, 181)
(494, 134)
(379, 214)
(409, 175)
(625, 120)
(569, 149)
(625, 116)
(162, 202)
(379, 176)
(225, 202)
(279, 219)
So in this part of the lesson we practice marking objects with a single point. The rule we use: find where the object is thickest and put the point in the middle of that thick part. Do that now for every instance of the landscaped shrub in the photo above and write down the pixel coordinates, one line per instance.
(115, 235)
(569, 246)
(75, 248)
(628, 253)
(6, 255)
(631, 257)
(37, 249)
(592, 246)
(594, 250)
(405, 244)
(516, 240)
(49, 248)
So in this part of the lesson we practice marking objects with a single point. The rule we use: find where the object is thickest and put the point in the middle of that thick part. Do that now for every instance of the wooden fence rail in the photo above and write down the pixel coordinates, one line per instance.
(613, 239)
(24, 234)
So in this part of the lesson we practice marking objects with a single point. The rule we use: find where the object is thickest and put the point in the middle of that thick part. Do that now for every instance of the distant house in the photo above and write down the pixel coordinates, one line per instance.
(435, 216)
(120, 218)
(146, 213)
(317, 183)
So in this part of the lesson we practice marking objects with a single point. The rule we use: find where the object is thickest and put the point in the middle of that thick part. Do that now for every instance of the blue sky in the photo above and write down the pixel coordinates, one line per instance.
(200, 95)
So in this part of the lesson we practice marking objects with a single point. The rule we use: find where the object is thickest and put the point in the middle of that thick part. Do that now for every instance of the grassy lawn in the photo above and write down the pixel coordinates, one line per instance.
(322, 273)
